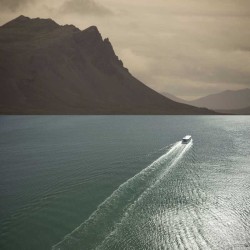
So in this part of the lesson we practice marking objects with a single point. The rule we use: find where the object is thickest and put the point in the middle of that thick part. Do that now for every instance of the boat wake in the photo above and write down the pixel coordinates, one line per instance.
(113, 212)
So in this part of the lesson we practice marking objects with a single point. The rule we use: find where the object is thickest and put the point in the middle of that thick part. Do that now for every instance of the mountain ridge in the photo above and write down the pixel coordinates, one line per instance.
(243, 111)
(227, 101)
(46, 68)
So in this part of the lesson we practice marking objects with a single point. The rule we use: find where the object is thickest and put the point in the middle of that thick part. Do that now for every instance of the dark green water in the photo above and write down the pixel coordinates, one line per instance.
(124, 182)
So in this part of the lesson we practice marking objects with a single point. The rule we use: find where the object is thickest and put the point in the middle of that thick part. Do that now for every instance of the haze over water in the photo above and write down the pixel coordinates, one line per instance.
(124, 182)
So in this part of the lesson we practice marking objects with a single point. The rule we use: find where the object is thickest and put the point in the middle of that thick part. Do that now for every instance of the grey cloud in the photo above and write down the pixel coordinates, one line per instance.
(13, 5)
(88, 7)
(195, 55)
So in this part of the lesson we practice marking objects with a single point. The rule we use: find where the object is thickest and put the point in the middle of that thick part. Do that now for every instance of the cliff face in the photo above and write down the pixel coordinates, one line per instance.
(46, 68)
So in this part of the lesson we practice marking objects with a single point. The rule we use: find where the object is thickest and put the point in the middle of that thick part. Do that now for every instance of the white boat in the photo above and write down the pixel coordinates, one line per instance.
(186, 139)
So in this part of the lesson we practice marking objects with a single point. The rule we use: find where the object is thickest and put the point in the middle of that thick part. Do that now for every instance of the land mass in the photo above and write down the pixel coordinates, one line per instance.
(46, 68)
(227, 102)
(244, 111)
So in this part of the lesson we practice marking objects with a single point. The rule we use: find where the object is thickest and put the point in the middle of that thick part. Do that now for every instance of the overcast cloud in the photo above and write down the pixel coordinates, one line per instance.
(86, 7)
(189, 48)
(13, 5)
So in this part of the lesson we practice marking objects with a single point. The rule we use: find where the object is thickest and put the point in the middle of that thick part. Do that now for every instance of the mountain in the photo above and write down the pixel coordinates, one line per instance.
(244, 111)
(46, 68)
(226, 100)
(174, 98)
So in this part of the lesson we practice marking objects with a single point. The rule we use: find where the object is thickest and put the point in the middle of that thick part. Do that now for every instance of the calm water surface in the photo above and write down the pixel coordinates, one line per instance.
(124, 182)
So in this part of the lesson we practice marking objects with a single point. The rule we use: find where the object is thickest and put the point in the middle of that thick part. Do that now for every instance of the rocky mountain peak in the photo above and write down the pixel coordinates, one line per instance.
(46, 68)
(28, 24)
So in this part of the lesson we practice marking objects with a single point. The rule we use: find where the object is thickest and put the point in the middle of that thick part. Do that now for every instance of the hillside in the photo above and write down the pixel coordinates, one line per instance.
(46, 68)
(226, 100)
(244, 111)
(174, 98)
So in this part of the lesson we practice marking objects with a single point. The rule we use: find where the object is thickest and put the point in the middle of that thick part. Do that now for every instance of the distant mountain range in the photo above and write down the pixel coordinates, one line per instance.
(244, 111)
(174, 98)
(46, 68)
(229, 101)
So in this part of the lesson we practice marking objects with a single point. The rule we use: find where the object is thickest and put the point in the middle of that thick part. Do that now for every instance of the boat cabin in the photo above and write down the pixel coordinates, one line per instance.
(186, 139)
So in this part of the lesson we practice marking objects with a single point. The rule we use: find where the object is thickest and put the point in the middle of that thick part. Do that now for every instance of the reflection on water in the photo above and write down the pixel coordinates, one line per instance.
(125, 183)
(102, 223)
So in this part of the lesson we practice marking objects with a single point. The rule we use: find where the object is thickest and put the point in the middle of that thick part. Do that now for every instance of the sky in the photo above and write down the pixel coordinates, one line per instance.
(189, 48)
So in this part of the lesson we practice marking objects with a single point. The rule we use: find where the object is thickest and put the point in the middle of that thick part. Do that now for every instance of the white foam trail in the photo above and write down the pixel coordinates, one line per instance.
(112, 211)
(185, 148)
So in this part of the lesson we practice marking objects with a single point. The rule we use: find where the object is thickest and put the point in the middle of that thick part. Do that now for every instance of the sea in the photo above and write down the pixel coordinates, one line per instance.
(124, 182)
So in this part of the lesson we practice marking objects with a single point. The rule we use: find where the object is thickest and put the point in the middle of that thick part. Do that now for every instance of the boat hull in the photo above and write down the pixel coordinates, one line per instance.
(186, 139)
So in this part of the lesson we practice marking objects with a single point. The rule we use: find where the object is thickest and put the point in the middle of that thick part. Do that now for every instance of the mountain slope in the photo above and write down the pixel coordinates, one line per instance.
(227, 100)
(244, 111)
(46, 68)
(174, 98)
